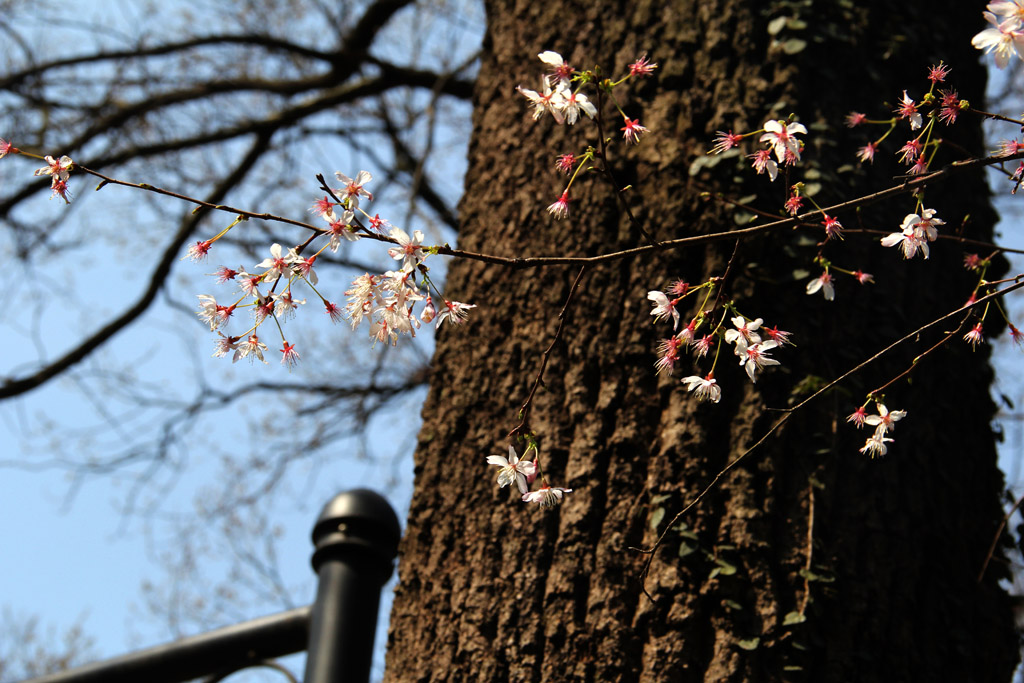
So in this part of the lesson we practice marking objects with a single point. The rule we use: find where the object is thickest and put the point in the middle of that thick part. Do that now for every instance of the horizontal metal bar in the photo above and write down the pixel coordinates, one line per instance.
(208, 653)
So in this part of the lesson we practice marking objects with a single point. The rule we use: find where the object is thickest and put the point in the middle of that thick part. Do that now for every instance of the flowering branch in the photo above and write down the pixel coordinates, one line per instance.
(788, 412)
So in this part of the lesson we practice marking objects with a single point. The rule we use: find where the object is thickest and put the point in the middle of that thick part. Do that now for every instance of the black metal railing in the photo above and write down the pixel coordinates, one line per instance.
(356, 541)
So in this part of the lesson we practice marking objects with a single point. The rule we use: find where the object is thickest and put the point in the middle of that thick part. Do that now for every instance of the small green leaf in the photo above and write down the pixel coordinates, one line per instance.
(656, 517)
(657, 500)
(792, 667)
(811, 576)
(725, 568)
(750, 643)
(732, 604)
(686, 549)
(793, 46)
(776, 25)
(793, 618)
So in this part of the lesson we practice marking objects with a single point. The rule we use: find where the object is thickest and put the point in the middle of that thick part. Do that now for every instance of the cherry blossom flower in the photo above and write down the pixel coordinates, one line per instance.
(833, 228)
(252, 349)
(779, 135)
(285, 305)
(794, 204)
(340, 228)
(885, 421)
(863, 278)
(353, 189)
(211, 313)
(455, 312)
(633, 131)
(875, 445)
(724, 141)
(642, 67)
(938, 73)
(908, 110)
(972, 261)
(686, 334)
(323, 207)
(867, 153)
(1017, 336)
(678, 288)
(560, 209)
(857, 417)
(6, 148)
(919, 167)
(574, 103)
(378, 224)
(855, 118)
(663, 307)
(1003, 37)
(513, 469)
(428, 311)
(277, 264)
(1009, 148)
(289, 356)
(333, 311)
(744, 331)
(546, 496)
(264, 309)
(754, 357)
(704, 388)
(225, 274)
(198, 251)
(908, 241)
(703, 345)
(910, 151)
(547, 100)
(823, 283)
(950, 106)
(303, 267)
(780, 336)
(559, 69)
(974, 337)
(916, 232)
(57, 169)
(409, 251)
(565, 163)
(223, 345)
(668, 354)
(762, 161)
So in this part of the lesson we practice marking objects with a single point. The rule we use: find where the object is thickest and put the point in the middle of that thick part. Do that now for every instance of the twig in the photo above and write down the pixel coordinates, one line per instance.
(995, 539)
(524, 410)
(787, 412)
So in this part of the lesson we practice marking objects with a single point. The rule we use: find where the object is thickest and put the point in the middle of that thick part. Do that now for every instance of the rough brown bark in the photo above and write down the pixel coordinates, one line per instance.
(491, 590)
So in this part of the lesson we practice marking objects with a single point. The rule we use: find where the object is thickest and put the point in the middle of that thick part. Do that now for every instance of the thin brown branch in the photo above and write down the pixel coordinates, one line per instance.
(524, 410)
(790, 411)
(995, 538)
(14, 387)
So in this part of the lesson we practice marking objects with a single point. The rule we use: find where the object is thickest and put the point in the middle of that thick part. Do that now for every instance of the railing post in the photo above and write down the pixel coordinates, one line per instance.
(356, 541)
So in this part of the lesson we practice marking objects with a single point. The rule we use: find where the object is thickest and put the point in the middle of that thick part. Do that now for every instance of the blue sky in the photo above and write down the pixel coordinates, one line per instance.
(79, 549)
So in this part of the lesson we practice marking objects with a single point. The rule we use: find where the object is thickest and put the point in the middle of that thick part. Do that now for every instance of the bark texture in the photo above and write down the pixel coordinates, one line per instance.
(492, 590)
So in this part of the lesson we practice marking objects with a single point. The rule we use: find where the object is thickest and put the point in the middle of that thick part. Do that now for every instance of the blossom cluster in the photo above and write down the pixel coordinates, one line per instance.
(781, 141)
(59, 171)
(522, 473)
(561, 95)
(941, 105)
(386, 301)
(749, 346)
(884, 422)
(916, 231)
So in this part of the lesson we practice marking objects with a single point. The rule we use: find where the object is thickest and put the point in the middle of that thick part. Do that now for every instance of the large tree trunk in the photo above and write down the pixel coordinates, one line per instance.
(491, 589)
